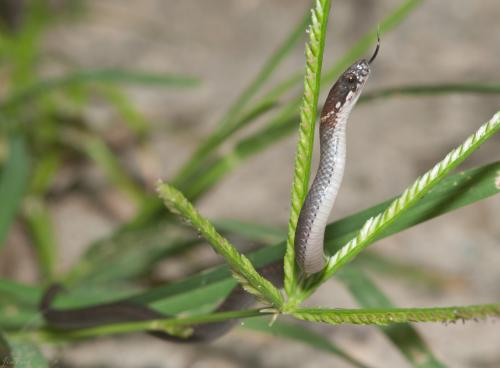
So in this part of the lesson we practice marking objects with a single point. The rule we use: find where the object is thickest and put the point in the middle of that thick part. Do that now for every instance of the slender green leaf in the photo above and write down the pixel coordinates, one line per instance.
(308, 110)
(295, 332)
(13, 182)
(39, 221)
(19, 292)
(18, 302)
(241, 266)
(131, 254)
(432, 89)
(26, 297)
(385, 316)
(251, 231)
(135, 120)
(402, 335)
(99, 151)
(44, 171)
(15, 318)
(406, 271)
(97, 75)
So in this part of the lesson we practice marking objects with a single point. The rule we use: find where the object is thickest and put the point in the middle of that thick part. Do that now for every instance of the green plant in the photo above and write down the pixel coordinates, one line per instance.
(116, 261)
(55, 107)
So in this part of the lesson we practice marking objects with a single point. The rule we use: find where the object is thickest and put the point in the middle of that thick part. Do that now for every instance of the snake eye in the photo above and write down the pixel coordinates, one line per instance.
(352, 79)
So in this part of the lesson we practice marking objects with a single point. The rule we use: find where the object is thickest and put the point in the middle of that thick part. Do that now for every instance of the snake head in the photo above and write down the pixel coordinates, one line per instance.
(346, 91)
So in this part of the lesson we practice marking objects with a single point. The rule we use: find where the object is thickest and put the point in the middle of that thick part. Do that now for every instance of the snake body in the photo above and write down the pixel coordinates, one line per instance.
(308, 237)
(128, 311)
(321, 196)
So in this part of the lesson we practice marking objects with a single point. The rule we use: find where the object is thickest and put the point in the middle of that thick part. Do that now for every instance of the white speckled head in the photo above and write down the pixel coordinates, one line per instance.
(346, 91)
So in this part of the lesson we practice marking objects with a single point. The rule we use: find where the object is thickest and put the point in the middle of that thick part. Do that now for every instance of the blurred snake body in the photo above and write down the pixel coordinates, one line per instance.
(308, 237)
(129, 311)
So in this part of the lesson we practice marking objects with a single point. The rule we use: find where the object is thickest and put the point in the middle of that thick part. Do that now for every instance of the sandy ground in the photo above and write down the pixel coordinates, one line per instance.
(389, 144)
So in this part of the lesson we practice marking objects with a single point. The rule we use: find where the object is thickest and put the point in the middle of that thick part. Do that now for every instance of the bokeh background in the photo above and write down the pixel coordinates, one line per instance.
(390, 143)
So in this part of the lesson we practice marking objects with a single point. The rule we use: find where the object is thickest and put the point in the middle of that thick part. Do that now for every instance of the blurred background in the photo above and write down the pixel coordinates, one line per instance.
(162, 76)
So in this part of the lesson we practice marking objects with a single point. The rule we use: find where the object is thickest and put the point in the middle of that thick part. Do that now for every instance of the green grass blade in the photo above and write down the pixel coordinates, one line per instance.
(241, 266)
(14, 318)
(129, 255)
(13, 182)
(431, 90)
(386, 316)
(403, 336)
(114, 76)
(95, 148)
(131, 116)
(22, 293)
(229, 122)
(15, 294)
(17, 305)
(41, 230)
(426, 277)
(308, 110)
(251, 231)
(302, 334)
(453, 192)
(44, 171)
(374, 227)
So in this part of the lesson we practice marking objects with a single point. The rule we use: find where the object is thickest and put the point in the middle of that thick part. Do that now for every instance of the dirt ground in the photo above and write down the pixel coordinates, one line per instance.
(390, 143)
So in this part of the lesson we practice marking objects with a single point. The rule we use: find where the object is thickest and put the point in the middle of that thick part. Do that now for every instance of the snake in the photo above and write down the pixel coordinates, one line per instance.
(313, 216)
(308, 243)
(73, 319)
